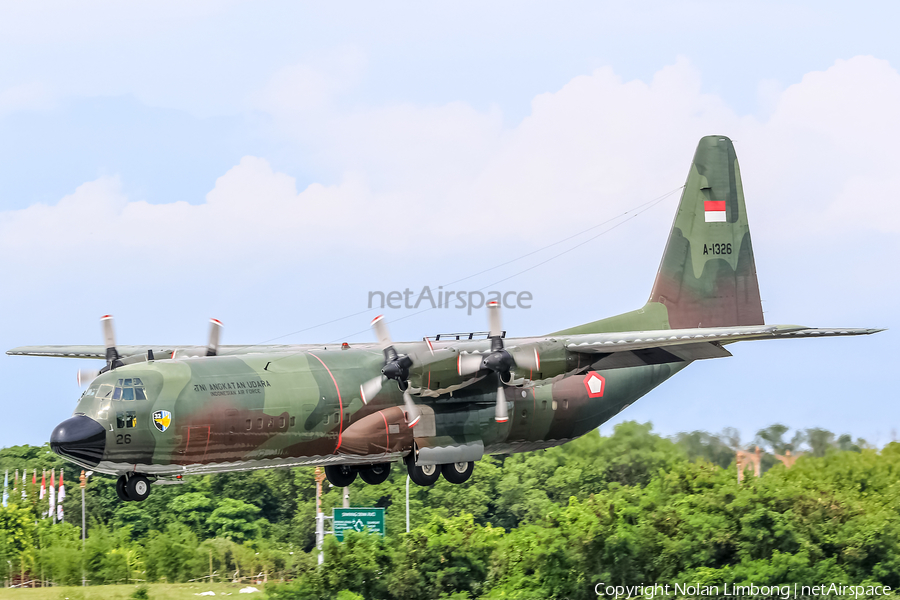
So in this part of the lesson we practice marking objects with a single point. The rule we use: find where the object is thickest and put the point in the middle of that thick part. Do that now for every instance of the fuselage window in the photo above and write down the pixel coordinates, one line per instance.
(337, 418)
(259, 423)
(249, 424)
(281, 422)
(271, 422)
(543, 405)
(292, 421)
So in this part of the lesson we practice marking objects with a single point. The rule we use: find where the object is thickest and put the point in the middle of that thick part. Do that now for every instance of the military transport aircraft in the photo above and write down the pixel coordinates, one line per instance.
(440, 404)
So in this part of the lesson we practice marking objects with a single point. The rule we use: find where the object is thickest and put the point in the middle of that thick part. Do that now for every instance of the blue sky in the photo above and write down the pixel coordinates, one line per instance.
(270, 163)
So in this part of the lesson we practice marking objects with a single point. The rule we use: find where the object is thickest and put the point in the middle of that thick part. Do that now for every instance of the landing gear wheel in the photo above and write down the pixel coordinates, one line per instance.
(376, 473)
(458, 472)
(137, 488)
(120, 489)
(340, 475)
(424, 475)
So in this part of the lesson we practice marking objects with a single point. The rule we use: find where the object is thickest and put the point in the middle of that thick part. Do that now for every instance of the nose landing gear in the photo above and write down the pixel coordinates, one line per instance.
(132, 487)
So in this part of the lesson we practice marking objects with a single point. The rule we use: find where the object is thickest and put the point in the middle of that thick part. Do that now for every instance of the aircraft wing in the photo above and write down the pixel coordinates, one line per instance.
(697, 343)
(99, 352)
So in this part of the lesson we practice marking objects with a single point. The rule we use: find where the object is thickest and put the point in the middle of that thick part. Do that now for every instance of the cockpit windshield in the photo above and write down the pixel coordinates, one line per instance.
(125, 390)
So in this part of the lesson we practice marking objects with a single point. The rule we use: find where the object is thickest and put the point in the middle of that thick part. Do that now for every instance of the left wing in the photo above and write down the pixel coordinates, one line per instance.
(99, 352)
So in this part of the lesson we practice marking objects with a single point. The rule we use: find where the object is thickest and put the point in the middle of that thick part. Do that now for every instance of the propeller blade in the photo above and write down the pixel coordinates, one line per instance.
(215, 331)
(109, 339)
(501, 414)
(412, 411)
(527, 358)
(369, 389)
(468, 364)
(496, 330)
(85, 376)
(381, 331)
(109, 334)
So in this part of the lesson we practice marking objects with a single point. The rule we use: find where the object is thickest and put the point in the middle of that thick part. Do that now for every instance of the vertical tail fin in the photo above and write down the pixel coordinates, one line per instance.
(707, 277)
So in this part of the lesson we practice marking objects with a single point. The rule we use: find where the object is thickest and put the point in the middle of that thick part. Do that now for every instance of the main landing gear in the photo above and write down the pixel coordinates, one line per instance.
(344, 475)
(132, 487)
(426, 475)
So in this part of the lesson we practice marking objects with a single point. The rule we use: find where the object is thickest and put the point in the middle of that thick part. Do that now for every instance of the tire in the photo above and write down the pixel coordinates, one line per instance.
(458, 472)
(375, 474)
(137, 488)
(424, 475)
(340, 475)
(120, 489)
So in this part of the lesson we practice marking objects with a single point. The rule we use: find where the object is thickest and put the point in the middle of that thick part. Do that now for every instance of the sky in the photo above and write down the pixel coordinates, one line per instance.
(271, 163)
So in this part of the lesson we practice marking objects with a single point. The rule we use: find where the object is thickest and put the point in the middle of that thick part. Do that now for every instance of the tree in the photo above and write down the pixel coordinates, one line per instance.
(234, 520)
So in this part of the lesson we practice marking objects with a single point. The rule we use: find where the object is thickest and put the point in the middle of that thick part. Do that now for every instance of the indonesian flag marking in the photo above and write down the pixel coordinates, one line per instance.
(715, 211)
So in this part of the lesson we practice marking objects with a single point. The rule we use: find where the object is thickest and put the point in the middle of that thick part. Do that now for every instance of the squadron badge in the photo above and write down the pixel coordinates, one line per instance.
(162, 419)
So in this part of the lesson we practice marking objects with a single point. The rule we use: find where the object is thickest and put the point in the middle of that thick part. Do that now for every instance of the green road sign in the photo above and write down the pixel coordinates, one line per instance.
(358, 519)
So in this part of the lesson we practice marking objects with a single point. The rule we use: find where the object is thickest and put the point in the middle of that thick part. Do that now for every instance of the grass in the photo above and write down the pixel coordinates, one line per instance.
(158, 591)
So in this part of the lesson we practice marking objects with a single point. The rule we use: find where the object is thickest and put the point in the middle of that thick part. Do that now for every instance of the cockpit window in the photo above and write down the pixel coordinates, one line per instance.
(129, 389)
(126, 419)
(105, 391)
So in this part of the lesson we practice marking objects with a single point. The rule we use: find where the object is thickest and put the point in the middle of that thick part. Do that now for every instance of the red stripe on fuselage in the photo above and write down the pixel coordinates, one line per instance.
(387, 433)
(340, 402)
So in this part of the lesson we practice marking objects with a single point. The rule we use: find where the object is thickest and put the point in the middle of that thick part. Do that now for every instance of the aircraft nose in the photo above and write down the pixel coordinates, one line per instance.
(80, 439)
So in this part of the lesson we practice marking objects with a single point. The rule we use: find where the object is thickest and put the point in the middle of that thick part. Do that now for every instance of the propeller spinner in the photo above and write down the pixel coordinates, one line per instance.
(396, 367)
(499, 360)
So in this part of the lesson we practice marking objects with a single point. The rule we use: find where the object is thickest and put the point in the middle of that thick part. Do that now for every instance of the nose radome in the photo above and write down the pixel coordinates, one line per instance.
(80, 439)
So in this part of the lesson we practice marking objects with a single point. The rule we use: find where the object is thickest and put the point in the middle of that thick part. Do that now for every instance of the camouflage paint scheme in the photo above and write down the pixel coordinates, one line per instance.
(296, 405)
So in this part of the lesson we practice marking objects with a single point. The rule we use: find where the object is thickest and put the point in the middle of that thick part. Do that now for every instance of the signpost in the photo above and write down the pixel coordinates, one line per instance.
(358, 519)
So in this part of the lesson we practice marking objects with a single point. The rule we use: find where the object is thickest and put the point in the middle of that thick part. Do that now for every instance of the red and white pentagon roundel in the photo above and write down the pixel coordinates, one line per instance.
(595, 384)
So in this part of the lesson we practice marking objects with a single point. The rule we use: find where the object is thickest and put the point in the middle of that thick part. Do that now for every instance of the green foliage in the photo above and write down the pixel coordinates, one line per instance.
(142, 592)
(234, 520)
(624, 508)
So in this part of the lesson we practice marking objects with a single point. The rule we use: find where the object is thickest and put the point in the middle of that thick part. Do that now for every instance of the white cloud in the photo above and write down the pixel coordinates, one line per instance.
(588, 151)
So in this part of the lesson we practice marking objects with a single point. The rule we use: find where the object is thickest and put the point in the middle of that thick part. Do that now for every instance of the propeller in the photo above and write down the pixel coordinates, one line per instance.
(499, 360)
(396, 367)
(114, 360)
(215, 332)
(109, 338)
